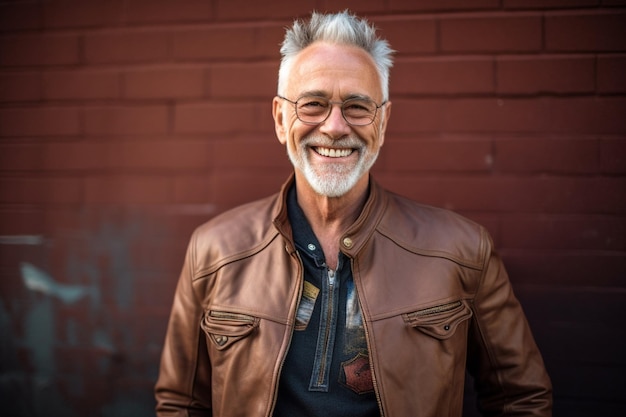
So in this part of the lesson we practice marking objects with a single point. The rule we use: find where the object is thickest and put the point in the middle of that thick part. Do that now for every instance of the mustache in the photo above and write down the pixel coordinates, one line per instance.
(351, 142)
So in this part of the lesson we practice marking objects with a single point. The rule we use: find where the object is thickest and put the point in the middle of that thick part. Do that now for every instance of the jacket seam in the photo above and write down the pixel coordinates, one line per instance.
(433, 253)
(196, 345)
(485, 249)
(221, 262)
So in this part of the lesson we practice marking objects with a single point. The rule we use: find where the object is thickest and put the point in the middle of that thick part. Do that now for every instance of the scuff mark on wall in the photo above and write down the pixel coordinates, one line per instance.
(70, 331)
(21, 240)
(38, 280)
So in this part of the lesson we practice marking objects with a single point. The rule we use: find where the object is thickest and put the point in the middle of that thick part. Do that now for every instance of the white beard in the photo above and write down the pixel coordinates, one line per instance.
(336, 179)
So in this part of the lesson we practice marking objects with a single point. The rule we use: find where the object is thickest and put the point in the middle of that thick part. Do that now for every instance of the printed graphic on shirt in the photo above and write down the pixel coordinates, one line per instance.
(355, 373)
(307, 303)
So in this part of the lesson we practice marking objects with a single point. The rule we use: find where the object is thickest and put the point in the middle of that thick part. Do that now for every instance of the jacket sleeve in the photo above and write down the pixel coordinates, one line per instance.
(503, 358)
(184, 384)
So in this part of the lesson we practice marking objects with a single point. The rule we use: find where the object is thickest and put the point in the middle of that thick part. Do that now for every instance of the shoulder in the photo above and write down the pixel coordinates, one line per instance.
(434, 231)
(234, 233)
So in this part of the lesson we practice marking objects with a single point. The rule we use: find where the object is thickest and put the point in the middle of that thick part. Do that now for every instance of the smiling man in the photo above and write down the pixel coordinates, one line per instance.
(335, 297)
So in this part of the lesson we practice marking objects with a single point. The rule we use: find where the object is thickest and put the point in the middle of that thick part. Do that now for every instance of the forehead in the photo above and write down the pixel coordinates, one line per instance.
(334, 70)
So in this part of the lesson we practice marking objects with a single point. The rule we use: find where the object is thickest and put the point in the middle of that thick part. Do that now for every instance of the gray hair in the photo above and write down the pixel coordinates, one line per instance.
(342, 28)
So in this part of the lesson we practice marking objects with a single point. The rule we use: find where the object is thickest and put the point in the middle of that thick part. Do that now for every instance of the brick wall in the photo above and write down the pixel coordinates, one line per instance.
(126, 123)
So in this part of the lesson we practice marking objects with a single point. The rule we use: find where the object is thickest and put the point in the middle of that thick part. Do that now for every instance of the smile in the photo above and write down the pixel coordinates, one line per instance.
(333, 153)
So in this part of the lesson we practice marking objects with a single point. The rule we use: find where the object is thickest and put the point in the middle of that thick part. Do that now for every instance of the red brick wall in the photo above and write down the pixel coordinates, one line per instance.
(126, 123)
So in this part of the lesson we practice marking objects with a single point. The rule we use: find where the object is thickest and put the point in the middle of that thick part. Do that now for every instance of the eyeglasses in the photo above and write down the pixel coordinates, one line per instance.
(313, 110)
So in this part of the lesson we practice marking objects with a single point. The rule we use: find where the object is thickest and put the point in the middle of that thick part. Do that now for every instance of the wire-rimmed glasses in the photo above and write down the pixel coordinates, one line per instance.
(313, 110)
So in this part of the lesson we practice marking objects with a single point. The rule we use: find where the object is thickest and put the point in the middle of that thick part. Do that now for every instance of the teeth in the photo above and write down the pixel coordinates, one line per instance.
(333, 153)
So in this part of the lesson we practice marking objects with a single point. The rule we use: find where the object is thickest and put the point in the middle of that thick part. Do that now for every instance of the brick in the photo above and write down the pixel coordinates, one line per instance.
(610, 74)
(513, 194)
(19, 16)
(38, 50)
(39, 121)
(20, 157)
(588, 232)
(541, 155)
(360, 7)
(267, 40)
(548, 4)
(545, 74)
(20, 86)
(409, 36)
(216, 117)
(613, 156)
(155, 11)
(521, 115)
(588, 115)
(436, 76)
(244, 9)
(126, 120)
(586, 32)
(244, 80)
(264, 121)
(77, 13)
(437, 155)
(21, 222)
(81, 84)
(417, 115)
(126, 47)
(35, 190)
(215, 43)
(443, 5)
(165, 83)
(131, 189)
(193, 190)
(73, 156)
(231, 188)
(160, 155)
(244, 155)
(496, 115)
(505, 33)
(567, 268)
(556, 114)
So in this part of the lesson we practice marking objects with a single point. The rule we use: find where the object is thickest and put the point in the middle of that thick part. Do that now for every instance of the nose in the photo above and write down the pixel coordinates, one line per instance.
(335, 126)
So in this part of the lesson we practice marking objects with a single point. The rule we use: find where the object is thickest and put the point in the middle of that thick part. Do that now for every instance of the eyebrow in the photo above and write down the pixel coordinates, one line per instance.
(320, 93)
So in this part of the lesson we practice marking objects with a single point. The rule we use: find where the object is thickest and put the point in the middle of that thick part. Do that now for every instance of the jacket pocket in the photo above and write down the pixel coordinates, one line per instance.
(224, 328)
(439, 321)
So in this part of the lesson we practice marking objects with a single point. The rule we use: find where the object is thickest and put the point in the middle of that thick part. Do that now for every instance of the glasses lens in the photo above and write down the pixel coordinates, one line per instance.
(312, 109)
(359, 111)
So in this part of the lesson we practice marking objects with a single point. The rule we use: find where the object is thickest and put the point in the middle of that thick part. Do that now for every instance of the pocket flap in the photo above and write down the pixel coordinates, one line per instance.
(439, 321)
(225, 328)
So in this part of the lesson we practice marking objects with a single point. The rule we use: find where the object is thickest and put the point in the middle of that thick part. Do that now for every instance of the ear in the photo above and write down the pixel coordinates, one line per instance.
(279, 120)
(383, 123)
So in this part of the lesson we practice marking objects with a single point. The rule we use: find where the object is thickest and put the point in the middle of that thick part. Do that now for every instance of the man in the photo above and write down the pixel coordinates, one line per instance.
(336, 297)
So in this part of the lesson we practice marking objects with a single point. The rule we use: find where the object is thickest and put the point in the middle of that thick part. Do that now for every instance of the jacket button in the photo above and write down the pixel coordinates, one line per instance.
(446, 327)
(221, 340)
(347, 242)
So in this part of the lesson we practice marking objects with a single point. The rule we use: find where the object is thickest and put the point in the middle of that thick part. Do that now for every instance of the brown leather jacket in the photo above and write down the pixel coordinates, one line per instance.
(434, 296)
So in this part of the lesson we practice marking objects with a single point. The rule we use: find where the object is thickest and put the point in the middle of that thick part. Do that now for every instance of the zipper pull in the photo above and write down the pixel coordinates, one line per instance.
(331, 277)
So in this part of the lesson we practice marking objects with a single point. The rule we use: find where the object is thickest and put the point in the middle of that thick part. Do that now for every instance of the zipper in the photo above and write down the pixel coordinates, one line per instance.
(437, 309)
(223, 315)
(329, 315)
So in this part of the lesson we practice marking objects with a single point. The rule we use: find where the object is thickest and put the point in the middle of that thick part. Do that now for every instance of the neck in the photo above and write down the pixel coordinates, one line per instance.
(330, 217)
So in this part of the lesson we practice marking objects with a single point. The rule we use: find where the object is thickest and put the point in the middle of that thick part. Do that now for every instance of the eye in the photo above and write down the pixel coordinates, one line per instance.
(358, 106)
(312, 104)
